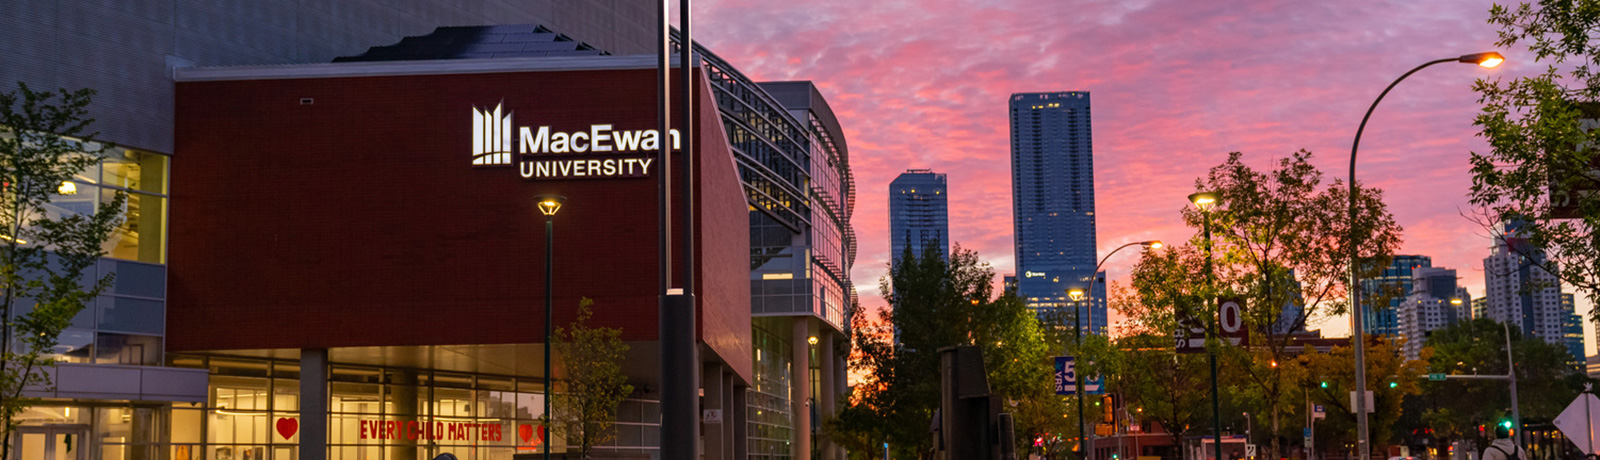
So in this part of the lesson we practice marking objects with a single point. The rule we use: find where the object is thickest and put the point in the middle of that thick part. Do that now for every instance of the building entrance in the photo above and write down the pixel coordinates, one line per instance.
(52, 442)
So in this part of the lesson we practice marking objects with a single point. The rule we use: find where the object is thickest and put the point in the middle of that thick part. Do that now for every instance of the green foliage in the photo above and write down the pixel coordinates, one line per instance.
(44, 141)
(1532, 125)
(586, 408)
(1546, 383)
(934, 303)
(1385, 363)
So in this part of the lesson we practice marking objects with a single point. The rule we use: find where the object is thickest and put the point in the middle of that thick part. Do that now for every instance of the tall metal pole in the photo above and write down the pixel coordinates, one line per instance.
(680, 421)
(686, 135)
(1077, 378)
(1363, 440)
(1216, 406)
(549, 318)
(1511, 373)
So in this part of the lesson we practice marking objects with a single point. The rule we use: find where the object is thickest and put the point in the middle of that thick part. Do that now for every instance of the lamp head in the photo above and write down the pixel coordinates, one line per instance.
(1455, 301)
(549, 204)
(1487, 60)
(1204, 200)
(1076, 294)
(812, 340)
(1154, 244)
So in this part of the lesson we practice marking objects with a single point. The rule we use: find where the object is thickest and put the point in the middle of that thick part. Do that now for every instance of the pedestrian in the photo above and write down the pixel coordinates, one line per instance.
(1503, 448)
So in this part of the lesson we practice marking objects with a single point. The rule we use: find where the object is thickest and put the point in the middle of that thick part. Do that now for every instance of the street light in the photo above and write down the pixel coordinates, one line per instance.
(549, 204)
(1078, 295)
(1205, 201)
(1363, 443)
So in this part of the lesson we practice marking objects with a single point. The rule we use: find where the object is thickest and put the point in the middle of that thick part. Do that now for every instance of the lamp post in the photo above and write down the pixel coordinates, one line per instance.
(1489, 59)
(549, 204)
(1205, 201)
(1077, 295)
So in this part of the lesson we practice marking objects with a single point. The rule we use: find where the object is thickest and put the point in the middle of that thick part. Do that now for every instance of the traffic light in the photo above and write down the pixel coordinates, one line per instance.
(1324, 383)
(1506, 423)
(1109, 408)
(1393, 384)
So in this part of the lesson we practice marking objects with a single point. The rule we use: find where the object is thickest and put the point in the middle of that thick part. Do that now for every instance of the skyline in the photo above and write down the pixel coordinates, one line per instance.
(1177, 85)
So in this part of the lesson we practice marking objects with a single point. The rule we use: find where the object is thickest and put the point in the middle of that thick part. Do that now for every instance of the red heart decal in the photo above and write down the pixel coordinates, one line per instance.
(287, 427)
(526, 432)
(542, 432)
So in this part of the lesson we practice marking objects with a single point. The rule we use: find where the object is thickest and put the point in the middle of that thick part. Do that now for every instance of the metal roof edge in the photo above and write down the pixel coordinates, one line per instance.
(422, 67)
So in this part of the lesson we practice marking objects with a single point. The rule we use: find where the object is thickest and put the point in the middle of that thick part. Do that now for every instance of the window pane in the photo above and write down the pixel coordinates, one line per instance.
(75, 346)
(127, 349)
(126, 314)
(142, 234)
(139, 279)
(135, 170)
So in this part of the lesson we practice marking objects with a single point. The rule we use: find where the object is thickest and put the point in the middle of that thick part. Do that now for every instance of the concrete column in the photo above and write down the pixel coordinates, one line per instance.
(826, 399)
(403, 394)
(741, 433)
(728, 409)
(800, 386)
(841, 384)
(314, 404)
(715, 435)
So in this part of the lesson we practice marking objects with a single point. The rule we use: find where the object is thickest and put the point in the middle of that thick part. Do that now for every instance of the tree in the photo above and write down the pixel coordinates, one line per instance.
(1390, 378)
(1282, 242)
(935, 302)
(586, 409)
(1172, 389)
(45, 139)
(1546, 382)
(1541, 167)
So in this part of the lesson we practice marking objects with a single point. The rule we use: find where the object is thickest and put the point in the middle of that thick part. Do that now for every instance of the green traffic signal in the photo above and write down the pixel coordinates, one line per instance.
(1394, 384)
(1506, 424)
(1324, 383)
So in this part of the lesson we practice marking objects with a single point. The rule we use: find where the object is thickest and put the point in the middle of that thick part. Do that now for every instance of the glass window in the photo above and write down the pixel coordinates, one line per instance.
(142, 234)
(128, 314)
(138, 279)
(186, 425)
(135, 170)
(127, 349)
(75, 346)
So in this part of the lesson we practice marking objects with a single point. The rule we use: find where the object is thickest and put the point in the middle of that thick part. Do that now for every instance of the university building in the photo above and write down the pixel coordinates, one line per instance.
(333, 242)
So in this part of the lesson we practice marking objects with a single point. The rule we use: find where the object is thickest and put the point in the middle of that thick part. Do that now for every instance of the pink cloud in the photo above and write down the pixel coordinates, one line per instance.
(1176, 86)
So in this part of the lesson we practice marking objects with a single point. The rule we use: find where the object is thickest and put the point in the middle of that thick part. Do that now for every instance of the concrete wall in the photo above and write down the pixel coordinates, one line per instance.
(125, 49)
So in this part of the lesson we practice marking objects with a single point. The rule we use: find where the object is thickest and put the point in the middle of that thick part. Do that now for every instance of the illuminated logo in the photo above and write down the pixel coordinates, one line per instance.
(546, 153)
(491, 137)
(1033, 274)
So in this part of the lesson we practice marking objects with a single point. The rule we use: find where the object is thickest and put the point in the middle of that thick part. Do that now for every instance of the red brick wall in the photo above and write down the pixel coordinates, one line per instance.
(358, 220)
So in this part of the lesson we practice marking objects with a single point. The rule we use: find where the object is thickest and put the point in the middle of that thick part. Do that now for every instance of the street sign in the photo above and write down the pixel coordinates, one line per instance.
(1317, 411)
(1066, 376)
(1305, 432)
(1581, 422)
(1230, 322)
(1249, 450)
(1436, 377)
(1369, 402)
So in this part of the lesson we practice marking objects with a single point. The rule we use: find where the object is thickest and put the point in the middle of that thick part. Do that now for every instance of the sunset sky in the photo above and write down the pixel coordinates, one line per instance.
(1176, 85)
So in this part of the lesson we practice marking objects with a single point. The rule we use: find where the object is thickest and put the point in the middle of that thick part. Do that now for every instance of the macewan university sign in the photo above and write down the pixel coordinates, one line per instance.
(603, 150)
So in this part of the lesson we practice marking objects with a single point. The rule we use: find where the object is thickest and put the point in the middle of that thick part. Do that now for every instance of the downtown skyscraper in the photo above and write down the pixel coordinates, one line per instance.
(1520, 291)
(1052, 196)
(919, 213)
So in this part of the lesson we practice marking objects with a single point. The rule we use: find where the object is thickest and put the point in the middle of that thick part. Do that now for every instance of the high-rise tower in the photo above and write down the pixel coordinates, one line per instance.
(1521, 292)
(919, 213)
(1052, 196)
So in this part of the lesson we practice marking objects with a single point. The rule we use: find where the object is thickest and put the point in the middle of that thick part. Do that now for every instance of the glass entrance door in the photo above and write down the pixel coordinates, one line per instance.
(62, 442)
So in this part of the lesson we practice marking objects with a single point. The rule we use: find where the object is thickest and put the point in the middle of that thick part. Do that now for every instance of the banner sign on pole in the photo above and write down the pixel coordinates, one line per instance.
(1067, 378)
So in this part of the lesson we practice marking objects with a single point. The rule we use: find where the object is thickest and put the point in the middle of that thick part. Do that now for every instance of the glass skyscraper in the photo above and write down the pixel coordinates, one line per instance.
(919, 213)
(1391, 287)
(1052, 195)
